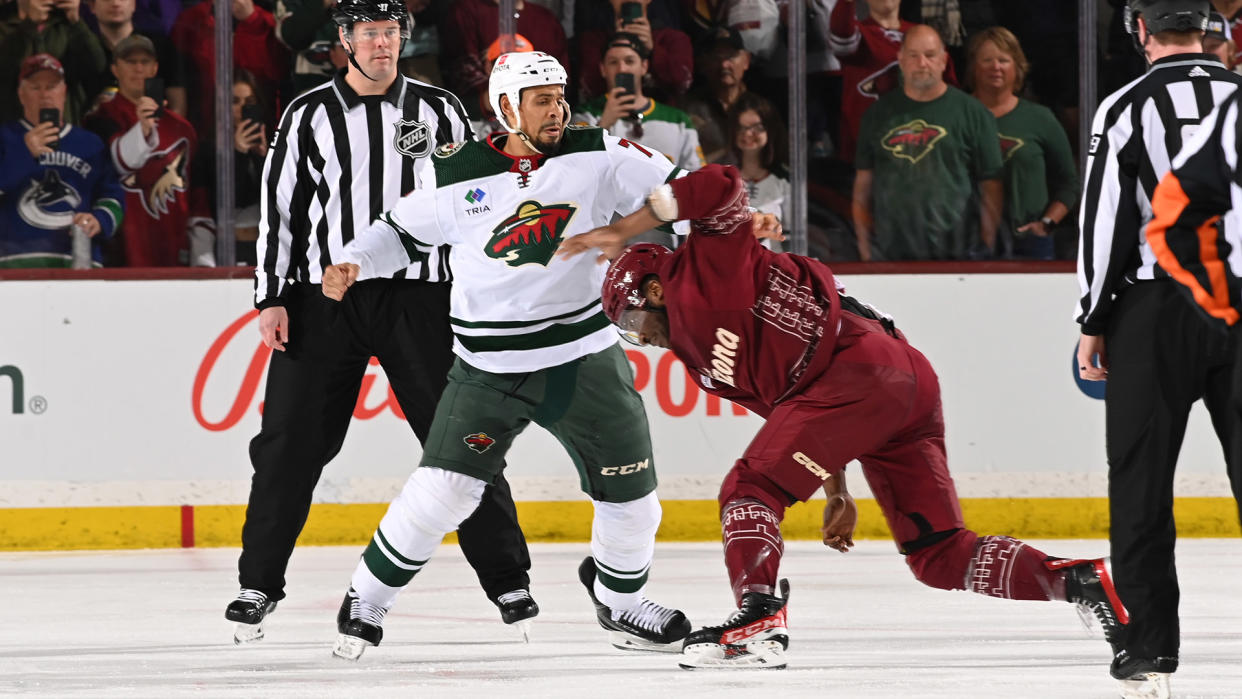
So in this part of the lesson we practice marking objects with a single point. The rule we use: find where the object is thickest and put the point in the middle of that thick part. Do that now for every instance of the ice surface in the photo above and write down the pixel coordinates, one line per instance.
(151, 624)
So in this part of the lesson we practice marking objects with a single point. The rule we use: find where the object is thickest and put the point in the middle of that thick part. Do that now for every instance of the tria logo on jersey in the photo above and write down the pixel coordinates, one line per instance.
(914, 140)
(475, 196)
(531, 234)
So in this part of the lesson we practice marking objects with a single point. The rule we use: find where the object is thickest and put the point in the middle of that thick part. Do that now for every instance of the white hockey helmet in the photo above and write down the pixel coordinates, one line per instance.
(517, 71)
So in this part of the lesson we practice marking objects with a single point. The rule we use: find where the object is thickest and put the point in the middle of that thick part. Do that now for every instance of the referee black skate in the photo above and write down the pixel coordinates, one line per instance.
(344, 153)
(1139, 333)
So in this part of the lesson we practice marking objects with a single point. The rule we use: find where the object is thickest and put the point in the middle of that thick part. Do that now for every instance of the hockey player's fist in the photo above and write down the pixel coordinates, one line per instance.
(338, 278)
(840, 518)
(768, 226)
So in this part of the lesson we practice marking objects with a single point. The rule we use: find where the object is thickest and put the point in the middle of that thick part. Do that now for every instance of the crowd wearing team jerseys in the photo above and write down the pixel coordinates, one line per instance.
(701, 81)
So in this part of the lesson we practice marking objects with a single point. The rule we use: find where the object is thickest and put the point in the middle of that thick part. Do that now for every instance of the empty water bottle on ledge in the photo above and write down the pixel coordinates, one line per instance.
(80, 247)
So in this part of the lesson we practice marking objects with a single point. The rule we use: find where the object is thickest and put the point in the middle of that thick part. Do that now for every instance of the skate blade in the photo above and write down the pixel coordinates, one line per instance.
(247, 633)
(757, 655)
(625, 641)
(1149, 685)
(349, 647)
(523, 627)
(1089, 621)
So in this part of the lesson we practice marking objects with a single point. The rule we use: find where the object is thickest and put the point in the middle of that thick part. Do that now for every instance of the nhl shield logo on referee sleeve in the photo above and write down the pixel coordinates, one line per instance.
(413, 138)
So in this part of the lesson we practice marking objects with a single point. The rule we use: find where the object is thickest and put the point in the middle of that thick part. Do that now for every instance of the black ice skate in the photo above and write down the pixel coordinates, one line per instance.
(755, 636)
(648, 626)
(517, 608)
(249, 610)
(1143, 678)
(361, 624)
(1089, 584)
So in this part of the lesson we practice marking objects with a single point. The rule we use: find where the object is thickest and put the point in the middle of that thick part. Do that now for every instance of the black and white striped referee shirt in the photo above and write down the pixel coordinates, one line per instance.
(1137, 132)
(336, 163)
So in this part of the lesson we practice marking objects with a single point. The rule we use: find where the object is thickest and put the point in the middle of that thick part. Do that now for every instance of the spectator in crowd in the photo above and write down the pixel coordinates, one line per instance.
(1217, 42)
(922, 152)
(54, 27)
(420, 55)
(722, 60)
(307, 29)
(54, 176)
(1232, 12)
(1041, 178)
(152, 149)
(763, 26)
(868, 52)
(487, 123)
(470, 26)
(628, 113)
(758, 149)
(255, 48)
(151, 17)
(112, 21)
(668, 49)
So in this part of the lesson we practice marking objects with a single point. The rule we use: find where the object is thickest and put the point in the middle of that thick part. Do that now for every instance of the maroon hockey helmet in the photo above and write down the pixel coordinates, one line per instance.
(624, 281)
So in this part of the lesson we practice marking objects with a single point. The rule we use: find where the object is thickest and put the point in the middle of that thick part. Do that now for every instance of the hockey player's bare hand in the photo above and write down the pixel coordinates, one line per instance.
(274, 327)
(840, 518)
(768, 226)
(1090, 349)
(608, 241)
(338, 278)
(38, 138)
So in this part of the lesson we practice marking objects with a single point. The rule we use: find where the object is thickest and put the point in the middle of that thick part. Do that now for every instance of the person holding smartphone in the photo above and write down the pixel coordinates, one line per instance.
(626, 112)
(55, 175)
(54, 27)
(655, 25)
(152, 149)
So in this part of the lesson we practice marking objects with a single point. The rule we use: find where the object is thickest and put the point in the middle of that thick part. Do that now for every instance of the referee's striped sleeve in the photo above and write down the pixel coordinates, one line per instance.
(1185, 233)
(283, 178)
(1109, 204)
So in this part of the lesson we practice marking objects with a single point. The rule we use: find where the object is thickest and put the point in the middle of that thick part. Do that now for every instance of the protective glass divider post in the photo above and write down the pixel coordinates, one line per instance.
(1088, 62)
(225, 230)
(507, 26)
(796, 228)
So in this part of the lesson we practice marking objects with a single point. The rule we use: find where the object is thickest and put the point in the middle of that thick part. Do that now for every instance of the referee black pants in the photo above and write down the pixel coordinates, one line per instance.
(311, 391)
(1163, 356)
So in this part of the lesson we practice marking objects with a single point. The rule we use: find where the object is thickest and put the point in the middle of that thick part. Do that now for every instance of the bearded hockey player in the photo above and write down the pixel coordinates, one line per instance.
(532, 344)
(836, 381)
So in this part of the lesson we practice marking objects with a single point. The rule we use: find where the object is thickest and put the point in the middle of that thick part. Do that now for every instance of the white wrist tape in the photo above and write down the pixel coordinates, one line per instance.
(663, 204)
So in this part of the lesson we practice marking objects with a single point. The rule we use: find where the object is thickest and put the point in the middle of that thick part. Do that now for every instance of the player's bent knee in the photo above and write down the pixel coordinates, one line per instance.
(625, 524)
(743, 482)
(942, 560)
(440, 500)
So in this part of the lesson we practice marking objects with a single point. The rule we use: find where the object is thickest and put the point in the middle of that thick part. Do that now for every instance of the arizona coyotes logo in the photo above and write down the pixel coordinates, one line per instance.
(914, 140)
(531, 234)
(478, 442)
(881, 81)
(1009, 145)
(159, 182)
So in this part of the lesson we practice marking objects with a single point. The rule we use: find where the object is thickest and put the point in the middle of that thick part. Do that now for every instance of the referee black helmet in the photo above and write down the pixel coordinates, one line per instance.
(1167, 15)
(350, 12)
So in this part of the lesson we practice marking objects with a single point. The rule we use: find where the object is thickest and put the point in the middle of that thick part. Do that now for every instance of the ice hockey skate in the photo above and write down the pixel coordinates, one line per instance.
(648, 627)
(249, 610)
(755, 636)
(1143, 678)
(1089, 584)
(517, 609)
(360, 624)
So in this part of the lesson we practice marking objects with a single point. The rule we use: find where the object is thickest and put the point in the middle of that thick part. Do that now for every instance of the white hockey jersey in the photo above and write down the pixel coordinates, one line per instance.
(515, 306)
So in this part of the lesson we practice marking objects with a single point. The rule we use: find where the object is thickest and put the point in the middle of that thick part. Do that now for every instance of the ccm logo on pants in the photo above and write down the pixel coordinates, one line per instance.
(811, 466)
(626, 469)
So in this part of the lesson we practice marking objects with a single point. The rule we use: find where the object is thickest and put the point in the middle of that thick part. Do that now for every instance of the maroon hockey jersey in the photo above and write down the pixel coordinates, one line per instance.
(751, 325)
(155, 174)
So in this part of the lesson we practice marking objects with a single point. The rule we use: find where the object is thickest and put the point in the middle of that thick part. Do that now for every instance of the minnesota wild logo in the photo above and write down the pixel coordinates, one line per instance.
(1009, 145)
(531, 234)
(914, 140)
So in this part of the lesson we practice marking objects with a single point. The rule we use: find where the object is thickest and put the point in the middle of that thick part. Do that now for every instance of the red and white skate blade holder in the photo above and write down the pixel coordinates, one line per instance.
(758, 645)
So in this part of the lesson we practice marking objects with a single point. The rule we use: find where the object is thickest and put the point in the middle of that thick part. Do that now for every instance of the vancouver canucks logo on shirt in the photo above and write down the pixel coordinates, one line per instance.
(1010, 145)
(412, 138)
(913, 140)
(49, 203)
(531, 234)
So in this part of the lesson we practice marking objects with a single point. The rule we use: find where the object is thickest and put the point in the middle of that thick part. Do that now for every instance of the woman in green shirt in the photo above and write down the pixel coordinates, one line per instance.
(1041, 180)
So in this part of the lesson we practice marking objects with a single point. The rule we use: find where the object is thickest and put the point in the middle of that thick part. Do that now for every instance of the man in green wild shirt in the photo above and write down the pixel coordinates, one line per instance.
(921, 151)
